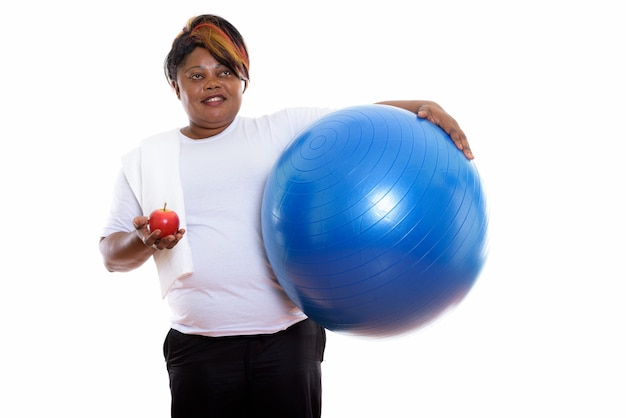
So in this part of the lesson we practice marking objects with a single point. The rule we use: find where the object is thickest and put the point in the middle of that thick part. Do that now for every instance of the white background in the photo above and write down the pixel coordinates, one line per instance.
(538, 86)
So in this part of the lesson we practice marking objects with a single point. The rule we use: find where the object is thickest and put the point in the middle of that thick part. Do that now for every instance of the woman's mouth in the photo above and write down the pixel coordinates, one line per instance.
(213, 99)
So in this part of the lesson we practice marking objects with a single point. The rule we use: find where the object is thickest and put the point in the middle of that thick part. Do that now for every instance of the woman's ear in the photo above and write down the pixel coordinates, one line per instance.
(176, 89)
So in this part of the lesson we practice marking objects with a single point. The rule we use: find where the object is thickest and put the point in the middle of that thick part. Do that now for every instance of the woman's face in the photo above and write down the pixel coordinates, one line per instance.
(210, 93)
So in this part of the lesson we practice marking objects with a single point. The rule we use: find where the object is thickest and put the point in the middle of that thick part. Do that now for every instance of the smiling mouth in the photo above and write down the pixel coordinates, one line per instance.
(213, 99)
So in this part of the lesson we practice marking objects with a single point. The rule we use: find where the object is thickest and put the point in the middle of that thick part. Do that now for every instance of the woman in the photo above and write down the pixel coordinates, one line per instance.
(238, 347)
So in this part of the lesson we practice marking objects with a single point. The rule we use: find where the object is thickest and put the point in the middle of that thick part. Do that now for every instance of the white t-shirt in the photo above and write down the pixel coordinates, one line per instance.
(232, 290)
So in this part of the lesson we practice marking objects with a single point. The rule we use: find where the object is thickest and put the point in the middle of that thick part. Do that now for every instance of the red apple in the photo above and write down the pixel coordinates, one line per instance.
(164, 219)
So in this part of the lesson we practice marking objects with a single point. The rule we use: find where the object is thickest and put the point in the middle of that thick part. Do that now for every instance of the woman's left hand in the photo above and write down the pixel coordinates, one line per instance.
(435, 114)
(431, 111)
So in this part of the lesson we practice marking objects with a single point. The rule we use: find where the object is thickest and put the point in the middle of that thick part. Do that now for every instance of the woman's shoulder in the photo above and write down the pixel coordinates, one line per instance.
(289, 116)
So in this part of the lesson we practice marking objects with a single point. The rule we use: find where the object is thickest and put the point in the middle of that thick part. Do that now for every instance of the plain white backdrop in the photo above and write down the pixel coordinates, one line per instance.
(538, 87)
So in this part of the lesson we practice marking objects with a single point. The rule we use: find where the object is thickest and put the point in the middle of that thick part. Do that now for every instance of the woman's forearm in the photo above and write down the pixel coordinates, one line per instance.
(410, 105)
(124, 251)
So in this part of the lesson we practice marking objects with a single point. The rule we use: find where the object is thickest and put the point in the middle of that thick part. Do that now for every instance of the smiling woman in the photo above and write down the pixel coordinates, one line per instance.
(235, 334)
(206, 67)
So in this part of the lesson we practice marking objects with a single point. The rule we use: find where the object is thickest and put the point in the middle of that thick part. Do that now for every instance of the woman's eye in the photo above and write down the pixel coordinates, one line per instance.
(195, 76)
(226, 72)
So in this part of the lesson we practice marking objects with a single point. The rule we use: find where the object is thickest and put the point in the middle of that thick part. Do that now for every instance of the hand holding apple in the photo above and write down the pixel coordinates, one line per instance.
(166, 220)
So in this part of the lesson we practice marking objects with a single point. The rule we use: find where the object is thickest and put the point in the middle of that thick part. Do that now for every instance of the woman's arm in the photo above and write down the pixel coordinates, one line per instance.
(125, 251)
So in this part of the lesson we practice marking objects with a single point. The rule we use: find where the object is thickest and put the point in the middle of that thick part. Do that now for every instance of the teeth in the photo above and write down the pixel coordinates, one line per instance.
(213, 99)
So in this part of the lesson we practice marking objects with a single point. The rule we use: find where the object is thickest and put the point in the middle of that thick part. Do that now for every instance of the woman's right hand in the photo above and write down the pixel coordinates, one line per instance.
(153, 239)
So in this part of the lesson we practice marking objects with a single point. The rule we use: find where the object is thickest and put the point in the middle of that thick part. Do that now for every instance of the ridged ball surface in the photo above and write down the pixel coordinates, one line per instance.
(374, 222)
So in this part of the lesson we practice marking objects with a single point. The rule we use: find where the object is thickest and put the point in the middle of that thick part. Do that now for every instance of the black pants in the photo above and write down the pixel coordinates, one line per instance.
(274, 376)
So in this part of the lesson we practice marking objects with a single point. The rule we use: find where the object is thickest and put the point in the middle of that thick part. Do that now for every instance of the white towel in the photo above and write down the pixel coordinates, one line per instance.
(153, 173)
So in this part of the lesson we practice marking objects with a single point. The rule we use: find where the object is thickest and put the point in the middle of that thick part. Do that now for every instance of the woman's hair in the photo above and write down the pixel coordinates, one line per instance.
(217, 36)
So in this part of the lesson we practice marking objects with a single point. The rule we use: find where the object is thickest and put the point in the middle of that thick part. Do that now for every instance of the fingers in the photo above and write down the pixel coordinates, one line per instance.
(153, 239)
(435, 114)
(460, 140)
(149, 239)
(165, 243)
(174, 239)
(140, 222)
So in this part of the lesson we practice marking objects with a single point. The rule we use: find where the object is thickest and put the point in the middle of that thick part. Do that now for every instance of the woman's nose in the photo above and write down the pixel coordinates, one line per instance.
(211, 83)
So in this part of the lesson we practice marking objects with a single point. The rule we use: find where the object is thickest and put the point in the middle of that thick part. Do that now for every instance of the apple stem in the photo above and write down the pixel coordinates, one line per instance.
(164, 206)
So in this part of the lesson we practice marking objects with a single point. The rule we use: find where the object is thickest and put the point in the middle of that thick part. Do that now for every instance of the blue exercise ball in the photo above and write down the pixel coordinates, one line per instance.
(374, 222)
